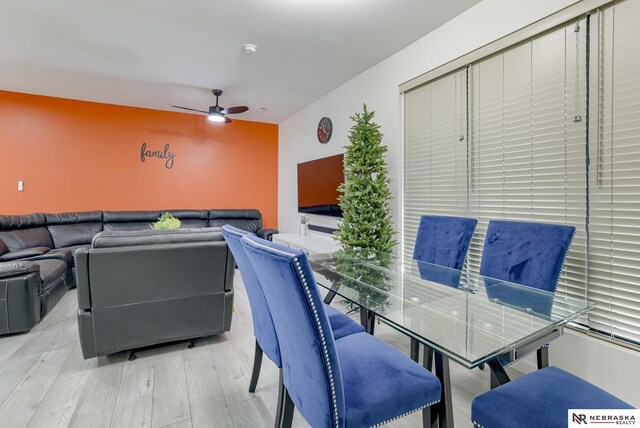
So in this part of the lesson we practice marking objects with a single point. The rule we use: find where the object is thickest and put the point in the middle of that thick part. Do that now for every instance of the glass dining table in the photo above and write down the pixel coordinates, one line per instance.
(455, 315)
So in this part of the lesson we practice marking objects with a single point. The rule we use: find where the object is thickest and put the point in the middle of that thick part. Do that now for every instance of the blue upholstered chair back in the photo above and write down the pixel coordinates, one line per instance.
(526, 253)
(443, 240)
(309, 360)
(263, 327)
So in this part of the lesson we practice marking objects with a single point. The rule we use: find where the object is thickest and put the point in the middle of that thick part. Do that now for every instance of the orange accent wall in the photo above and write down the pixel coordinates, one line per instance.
(78, 156)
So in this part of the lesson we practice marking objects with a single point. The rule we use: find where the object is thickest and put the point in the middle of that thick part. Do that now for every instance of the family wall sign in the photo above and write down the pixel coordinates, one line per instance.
(166, 155)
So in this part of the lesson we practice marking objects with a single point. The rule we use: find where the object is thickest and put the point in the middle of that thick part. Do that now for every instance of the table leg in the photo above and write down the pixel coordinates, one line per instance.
(543, 357)
(427, 361)
(498, 375)
(367, 319)
(415, 350)
(446, 406)
(330, 295)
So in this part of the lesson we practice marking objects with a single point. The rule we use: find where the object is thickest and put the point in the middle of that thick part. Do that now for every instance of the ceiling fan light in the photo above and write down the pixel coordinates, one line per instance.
(216, 117)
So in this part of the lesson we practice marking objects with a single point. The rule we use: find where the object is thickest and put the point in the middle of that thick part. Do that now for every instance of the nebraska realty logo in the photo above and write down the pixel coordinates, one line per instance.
(603, 417)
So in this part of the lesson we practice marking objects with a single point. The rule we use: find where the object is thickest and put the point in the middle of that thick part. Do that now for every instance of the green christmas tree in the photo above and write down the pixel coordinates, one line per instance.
(366, 214)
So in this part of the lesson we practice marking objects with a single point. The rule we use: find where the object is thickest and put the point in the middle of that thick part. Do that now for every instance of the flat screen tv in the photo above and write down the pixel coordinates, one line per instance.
(318, 182)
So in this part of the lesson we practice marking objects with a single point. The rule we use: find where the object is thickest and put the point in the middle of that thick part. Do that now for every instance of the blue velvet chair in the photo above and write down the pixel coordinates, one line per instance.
(530, 254)
(263, 328)
(443, 241)
(354, 381)
(539, 399)
(526, 253)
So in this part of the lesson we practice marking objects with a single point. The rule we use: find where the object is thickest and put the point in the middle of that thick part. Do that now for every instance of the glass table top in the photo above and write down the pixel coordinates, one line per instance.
(469, 318)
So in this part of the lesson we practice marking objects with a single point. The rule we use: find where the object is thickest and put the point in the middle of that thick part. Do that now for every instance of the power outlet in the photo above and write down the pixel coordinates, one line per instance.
(20, 186)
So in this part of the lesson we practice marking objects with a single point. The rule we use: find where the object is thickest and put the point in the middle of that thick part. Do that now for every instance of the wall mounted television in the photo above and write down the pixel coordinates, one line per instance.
(318, 182)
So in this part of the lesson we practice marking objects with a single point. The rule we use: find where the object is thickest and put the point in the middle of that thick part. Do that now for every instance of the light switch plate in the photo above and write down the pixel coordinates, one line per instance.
(20, 186)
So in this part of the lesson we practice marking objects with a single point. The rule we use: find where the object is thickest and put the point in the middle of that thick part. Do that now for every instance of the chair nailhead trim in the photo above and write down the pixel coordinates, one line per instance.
(405, 414)
(317, 319)
(475, 424)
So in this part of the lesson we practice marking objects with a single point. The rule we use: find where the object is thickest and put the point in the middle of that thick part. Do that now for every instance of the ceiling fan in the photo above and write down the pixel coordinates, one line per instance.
(217, 113)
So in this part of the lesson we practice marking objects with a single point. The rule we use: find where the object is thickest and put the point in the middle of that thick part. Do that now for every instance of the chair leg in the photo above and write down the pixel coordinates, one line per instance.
(287, 410)
(257, 364)
(280, 404)
(429, 417)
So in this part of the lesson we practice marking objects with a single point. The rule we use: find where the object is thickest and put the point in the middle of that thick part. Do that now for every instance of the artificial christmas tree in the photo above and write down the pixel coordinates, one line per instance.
(366, 214)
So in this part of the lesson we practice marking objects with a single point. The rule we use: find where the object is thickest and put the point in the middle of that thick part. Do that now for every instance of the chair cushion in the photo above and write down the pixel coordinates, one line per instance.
(341, 324)
(541, 399)
(381, 383)
(51, 270)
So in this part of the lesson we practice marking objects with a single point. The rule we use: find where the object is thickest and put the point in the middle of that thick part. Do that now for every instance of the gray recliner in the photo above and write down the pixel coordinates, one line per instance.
(140, 288)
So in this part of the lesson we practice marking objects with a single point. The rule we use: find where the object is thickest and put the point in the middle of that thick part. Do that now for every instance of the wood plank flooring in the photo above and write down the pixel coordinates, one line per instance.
(44, 382)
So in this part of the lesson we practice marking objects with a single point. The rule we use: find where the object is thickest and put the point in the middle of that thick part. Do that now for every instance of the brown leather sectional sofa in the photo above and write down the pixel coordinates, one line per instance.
(36, 252)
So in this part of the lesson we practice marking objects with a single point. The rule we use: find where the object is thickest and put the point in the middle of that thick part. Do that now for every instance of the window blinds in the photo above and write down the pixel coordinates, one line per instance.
(523, 155)
(435, 153)
(527, 146)
(614, 181)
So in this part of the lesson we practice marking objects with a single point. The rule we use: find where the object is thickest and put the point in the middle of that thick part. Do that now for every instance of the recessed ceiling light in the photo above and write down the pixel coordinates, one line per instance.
(249, 48)
(262, 109)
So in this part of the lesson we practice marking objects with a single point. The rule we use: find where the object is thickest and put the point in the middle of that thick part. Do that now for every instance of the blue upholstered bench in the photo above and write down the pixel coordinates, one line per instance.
(539, 399)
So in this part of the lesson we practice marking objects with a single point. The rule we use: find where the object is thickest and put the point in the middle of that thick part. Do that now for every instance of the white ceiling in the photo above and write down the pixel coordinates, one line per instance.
(153, 53)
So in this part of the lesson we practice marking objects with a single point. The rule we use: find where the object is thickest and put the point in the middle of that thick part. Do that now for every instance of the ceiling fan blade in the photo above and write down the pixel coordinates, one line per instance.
(191, 109)
(227, 120)
(235, 110)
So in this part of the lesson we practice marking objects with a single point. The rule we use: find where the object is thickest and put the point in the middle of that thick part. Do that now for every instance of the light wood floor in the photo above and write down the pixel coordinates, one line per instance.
(44, 382)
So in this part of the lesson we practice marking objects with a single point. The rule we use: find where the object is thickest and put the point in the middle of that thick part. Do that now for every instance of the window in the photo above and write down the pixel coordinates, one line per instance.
(505, 137)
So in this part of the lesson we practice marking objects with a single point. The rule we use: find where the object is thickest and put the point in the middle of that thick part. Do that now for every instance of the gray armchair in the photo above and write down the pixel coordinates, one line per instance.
(140, 288)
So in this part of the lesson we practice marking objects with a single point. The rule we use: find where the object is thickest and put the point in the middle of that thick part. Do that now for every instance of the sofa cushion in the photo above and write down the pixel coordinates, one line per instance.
(12, 222)
(130, 216)
(21, 267)
(127, 226)
(24, 253)
(3, 248)
(67, 235)
(27, 238)
(74, 217)
(67, 253)
(189, 214)
(191, 219)
(129, 220)
(51, 271)
(249, 220)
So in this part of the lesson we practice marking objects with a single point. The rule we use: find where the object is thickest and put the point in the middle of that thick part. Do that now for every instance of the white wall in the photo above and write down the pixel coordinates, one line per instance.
(378, 87)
